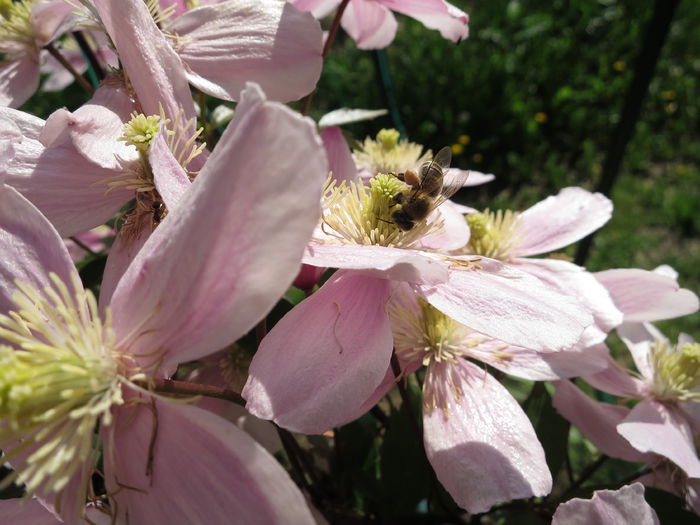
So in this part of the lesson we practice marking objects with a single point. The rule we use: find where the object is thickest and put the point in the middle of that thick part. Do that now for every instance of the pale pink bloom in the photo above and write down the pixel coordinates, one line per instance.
(324, 375)
(36, 512)
(479, 441)
(216, 264)
(372, 25)
(29, 26)
(549, 225)
(625, 506)
(61, 164)
(665, 421)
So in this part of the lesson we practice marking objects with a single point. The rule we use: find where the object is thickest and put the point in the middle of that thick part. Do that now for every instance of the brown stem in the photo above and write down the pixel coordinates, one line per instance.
(335, 24)
(78, 77)
(170, 386)
(82, 245)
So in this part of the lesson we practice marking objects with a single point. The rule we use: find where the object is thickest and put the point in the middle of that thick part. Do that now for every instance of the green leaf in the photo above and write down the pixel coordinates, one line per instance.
(552, 429)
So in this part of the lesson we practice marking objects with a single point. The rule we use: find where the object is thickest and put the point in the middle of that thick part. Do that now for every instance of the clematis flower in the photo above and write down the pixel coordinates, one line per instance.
(313, 379)
(608, 507)
(549, 225)
(221, 46)
(479, 441)
(216, 264)
(26, 27)
(372, 25)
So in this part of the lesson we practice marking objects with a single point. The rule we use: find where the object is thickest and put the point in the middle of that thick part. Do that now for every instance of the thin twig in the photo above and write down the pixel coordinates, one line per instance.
(82, 245)
(89, 54)
(335, 24)
(170, 386)
(62, 60)
(586, 474)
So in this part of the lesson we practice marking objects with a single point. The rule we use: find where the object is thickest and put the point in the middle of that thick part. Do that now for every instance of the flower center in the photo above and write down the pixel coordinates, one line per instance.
(58, 379)
(388, 154)
(677, 371)
(494, 234)
(360, 214)
(16, 29)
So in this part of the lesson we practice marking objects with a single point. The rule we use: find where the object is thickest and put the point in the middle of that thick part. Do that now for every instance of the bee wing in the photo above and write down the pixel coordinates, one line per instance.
(443, 158)
(454, 180)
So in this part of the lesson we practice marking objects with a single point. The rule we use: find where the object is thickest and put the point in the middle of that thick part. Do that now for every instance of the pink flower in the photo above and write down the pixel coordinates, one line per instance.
(608, 507)
(479, 441)
(324, 375)
(216, 264)
(549, 225)
(25, 28)
(372, 25)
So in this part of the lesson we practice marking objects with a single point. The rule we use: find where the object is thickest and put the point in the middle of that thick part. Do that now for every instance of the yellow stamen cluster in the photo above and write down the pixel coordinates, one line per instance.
(494, 234)
(422, 331)
(141, 130)
(388, 154)
(361, 214)
(57, 381)
(676, 371)
(16, 25)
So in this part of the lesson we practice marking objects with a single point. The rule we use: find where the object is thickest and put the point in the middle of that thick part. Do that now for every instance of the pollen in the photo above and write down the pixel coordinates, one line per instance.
(676, 371)
(388, 154)
(141, 130)
(494, 234)
(357, 214)
(59, 377)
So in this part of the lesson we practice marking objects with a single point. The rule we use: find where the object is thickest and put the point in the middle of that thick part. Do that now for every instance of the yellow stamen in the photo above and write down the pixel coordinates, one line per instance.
(494, 234)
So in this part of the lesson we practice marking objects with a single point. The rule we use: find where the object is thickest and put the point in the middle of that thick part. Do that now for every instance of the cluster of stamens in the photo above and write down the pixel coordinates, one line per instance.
(360, 214)
(60, 377)
(676, 371)
(388, 154)
(16, 29)
(494, 234)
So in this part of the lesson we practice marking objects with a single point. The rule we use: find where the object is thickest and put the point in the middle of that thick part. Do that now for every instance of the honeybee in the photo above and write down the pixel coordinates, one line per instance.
(427, 190)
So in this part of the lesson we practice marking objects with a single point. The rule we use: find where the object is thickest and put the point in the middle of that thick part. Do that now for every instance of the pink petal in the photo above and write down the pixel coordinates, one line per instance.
(608, 507)
(453, 235)
(268, 42)
(234, 243)
(312, 379)
(154, 69)
(14, 124)
(169, 177)
(370, 24)
(233, 475)
(19, 79)
(500, 301)
(596, 421)
(477, 178)
(62, 184)
(30, 512)
(545, 366)
(340, 160)
(662, 429)
(614, 380)
(647, 296)
(342, 116)
(435, 14)
(639, 337)
(379, 261)
(51, 19)
(319, 8)
(562, 219)
(574, 280)
(483, 448)
(121, 255)
(95, 127)
(30, 247)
